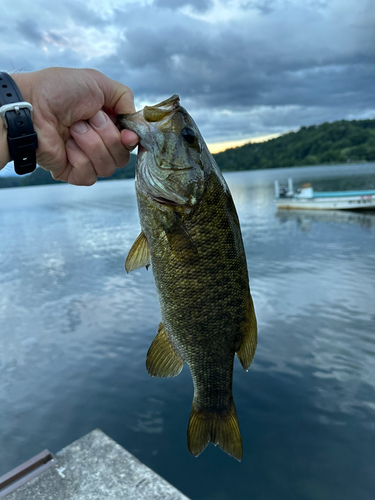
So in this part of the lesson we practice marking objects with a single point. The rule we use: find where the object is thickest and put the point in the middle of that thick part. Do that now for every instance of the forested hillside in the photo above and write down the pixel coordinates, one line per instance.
(338, 142)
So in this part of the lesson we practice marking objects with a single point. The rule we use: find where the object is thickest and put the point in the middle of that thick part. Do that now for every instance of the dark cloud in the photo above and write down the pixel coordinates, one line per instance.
(269, 6)
(263, 6)
(55, 37)
(29, 30)
(242, 67)
(85, 16)
(200, 5)
(280, 75)
(232, 69)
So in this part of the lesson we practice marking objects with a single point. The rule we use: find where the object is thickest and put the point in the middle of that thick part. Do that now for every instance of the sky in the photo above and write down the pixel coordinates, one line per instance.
(244, 69)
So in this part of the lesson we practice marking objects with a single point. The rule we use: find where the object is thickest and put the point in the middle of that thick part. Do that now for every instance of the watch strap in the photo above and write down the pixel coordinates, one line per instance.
(17, 117)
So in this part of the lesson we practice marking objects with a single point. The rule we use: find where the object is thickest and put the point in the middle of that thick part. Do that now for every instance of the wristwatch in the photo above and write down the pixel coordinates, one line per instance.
(17, 117)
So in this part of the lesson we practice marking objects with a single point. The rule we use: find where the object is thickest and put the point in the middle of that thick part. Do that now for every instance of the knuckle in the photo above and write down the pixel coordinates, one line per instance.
(91, 144)
(105, 169)
(83, 176)
(94, 73)
(123, 159)
(81, 161)
(58, 177)
(112, 141)
(88, 181)
(120, 155)
(130, 92)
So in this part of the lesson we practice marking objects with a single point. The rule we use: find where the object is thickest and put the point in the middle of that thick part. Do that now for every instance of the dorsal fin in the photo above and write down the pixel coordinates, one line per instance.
(139, 254)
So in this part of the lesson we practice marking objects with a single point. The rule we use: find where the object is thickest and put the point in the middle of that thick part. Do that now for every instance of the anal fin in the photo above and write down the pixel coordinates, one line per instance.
(139, 254)
(162, 359)
(249, 340)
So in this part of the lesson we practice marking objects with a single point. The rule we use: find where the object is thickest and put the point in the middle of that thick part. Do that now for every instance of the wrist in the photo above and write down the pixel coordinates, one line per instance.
(23, 82)
(4, 151)
(18, 139)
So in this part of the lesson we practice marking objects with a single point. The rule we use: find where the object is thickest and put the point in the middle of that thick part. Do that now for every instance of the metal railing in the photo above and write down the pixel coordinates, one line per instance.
(26, 471)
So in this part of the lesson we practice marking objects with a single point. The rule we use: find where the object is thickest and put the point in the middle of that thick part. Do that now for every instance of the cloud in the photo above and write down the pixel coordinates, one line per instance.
(201, 5)
(30, 31)
(233, 67)
(264, 6)
(241, 67)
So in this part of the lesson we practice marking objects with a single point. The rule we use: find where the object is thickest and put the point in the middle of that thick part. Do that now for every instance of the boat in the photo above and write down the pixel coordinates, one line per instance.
(306, 198)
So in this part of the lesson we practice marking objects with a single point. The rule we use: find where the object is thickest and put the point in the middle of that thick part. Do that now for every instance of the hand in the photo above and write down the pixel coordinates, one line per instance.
(74, 117)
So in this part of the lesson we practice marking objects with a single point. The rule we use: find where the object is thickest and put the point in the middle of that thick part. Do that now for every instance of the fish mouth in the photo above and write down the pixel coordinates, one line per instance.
(150, 118)
(163, 110)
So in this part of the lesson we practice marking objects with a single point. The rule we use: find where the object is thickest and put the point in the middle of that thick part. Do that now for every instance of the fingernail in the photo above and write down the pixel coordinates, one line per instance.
(99, 120)
(79, 127)
(71, 143)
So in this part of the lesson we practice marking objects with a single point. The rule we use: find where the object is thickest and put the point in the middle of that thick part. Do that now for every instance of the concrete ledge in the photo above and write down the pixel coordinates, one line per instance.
(96, 468)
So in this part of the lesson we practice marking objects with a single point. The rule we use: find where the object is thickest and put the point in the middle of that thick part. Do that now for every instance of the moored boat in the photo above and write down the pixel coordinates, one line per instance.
(306, 198)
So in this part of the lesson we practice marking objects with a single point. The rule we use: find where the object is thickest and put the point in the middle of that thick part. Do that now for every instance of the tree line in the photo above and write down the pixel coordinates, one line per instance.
(40, 176)
(338, 142)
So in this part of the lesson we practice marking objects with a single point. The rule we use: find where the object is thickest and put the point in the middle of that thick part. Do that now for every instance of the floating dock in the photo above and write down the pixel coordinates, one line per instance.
(93, 468)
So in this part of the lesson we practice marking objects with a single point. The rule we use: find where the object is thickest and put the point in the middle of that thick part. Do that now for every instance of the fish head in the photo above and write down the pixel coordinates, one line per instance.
(172, 154)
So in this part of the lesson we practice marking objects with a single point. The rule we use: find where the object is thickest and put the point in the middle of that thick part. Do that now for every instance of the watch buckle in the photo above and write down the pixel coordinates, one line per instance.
(14, 106)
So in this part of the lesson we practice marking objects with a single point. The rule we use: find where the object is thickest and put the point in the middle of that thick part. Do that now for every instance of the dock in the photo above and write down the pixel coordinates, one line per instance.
(92, 468)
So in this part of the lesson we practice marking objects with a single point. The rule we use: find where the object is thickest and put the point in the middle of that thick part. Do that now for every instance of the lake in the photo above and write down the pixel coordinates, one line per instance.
(75, 330)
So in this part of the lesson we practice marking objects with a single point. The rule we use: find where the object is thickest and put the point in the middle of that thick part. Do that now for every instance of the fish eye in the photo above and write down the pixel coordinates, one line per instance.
(188, 134)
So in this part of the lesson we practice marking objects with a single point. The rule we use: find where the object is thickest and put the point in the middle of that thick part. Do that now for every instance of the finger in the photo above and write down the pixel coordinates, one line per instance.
(122, 99)
(129, 139)
(117, 96)
(92, 145)
(79, 171)
(111, 138)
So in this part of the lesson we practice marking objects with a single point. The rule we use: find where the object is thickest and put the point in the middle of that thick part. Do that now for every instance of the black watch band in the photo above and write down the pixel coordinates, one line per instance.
(17, 117)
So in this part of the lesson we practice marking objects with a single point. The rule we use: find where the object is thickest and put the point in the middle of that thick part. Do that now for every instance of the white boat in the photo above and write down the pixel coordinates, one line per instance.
(306, 198)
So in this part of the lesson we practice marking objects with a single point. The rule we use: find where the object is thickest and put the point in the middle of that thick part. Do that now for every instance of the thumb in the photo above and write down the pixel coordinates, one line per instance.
(117, 96)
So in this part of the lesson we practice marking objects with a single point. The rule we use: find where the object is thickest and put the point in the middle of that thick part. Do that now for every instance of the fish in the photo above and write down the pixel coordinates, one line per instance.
(191, 237)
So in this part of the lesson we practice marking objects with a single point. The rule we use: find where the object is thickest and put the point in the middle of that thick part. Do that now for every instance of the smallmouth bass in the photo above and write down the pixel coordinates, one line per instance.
(191, 236)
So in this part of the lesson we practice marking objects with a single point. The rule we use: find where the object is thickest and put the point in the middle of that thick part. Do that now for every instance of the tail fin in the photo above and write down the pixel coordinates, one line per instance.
(217, 428)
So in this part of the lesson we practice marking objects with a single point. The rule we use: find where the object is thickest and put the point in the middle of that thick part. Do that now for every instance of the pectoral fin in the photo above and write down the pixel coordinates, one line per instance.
(179, 238)
(249, 341)
(162, 359)
(139, 254)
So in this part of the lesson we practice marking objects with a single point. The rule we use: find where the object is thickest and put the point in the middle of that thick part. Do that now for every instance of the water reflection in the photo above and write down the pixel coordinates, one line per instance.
(305, 218)
(75, 330)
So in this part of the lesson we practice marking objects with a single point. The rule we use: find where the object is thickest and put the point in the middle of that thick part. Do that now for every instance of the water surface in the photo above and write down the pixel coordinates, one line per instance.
(75, 329)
